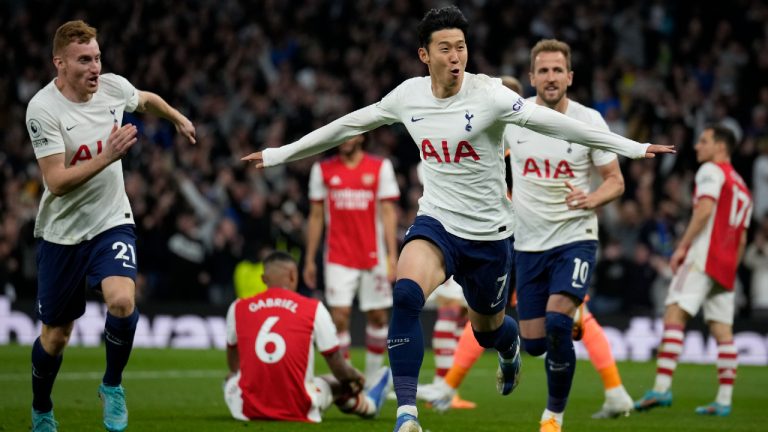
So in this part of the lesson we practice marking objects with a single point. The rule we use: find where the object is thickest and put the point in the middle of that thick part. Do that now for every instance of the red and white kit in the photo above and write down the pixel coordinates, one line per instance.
(275, 332)
(708, 273)
(355, 252)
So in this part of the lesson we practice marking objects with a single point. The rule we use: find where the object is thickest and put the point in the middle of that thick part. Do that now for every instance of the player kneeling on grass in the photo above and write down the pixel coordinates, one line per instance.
(271, 360)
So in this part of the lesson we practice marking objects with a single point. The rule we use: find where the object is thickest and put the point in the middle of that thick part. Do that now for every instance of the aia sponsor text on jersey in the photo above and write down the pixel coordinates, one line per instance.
(547, 169)
(443, 153)
(84, 152)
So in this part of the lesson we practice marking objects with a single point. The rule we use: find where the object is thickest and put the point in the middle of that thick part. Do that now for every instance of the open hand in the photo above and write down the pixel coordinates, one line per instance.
(677, 259)
(655, 149)
(186, 129)
(256, 158)
(120, 141)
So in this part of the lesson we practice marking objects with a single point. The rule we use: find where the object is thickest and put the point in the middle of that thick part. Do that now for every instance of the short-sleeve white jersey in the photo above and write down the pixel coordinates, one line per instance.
(80, 131)
(460, 142)
(540, 167)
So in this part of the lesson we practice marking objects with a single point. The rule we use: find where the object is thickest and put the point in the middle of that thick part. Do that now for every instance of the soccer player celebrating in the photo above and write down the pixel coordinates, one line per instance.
(464, 225)
(357, 191)
(551, 70)
(85, 220)
(271, 357)
(705, 264)
(556, 235)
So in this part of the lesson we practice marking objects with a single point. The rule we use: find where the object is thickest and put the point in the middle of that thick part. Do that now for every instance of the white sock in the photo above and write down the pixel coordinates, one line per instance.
(548, 414)
(407, 409)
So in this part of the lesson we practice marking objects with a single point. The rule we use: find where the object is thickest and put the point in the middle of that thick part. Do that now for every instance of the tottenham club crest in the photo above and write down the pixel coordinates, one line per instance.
(469, 117)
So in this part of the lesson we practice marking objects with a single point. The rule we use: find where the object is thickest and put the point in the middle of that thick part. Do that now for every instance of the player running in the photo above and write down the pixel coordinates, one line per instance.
(464, 225)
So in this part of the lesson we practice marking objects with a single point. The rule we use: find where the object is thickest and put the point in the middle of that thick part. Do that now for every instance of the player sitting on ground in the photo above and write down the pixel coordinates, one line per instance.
(271, 357)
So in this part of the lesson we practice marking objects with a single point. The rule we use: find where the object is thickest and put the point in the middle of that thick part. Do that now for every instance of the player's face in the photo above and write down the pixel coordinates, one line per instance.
(706, 147)
(351, 146)
(79, 66)
(551, 77)
(446, 55)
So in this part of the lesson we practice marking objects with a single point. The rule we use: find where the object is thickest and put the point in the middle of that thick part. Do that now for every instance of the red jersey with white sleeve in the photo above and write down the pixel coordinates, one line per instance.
(354, 232)
(274, 333)
(716, 249)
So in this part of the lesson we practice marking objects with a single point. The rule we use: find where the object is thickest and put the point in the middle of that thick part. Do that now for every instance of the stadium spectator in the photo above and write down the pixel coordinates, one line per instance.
(275, 381)
(354, 193)
(756, 259)
(256, 102)
(705, 263)
(85, 221)
(464, 226)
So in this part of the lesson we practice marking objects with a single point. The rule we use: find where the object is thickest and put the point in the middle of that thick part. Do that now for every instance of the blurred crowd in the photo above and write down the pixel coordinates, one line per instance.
(253, 74)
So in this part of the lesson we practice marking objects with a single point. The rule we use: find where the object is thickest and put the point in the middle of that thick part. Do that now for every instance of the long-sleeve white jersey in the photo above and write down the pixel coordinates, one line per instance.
(540, 167)
(460, 141)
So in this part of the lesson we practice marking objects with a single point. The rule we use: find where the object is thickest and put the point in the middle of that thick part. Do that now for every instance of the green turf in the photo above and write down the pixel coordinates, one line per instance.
(180, 390)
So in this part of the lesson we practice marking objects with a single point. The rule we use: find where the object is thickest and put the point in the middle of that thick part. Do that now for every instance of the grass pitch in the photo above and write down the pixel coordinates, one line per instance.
(180, 390)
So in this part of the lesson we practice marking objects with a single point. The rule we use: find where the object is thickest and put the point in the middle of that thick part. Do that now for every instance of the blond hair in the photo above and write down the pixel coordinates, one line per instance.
(551, 45)
(512, 83)
(72, 31)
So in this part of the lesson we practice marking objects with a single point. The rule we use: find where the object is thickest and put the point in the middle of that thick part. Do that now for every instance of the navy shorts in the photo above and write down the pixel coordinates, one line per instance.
(482, 268)
(564, 269)
(66, 271)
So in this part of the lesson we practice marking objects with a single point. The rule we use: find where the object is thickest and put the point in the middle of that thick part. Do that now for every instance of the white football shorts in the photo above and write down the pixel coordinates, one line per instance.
(318, 389)
(371, 286)
(691, 289)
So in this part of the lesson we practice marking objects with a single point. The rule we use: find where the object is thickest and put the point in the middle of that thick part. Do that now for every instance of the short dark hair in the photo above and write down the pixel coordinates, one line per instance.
(449, 17)
(724, 134)
(278, 256)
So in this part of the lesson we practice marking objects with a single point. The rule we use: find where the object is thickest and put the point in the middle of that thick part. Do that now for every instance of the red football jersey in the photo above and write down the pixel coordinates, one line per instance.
(353, 229)
(716, 248)
(274, 333)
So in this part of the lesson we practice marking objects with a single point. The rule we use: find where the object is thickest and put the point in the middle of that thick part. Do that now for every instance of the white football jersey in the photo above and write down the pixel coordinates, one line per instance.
(80, 131)
(460, 142)
(540, 167)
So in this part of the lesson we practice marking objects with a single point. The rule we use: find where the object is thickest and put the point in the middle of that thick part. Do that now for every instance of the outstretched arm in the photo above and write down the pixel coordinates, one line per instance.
(154, 104)
(554, 124)
(324, 138)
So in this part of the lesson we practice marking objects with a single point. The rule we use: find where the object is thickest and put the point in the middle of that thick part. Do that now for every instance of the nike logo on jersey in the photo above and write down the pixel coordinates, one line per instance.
(414, 119)
(71, 127)
(395, 345)
(126, 265)
(496, 303)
